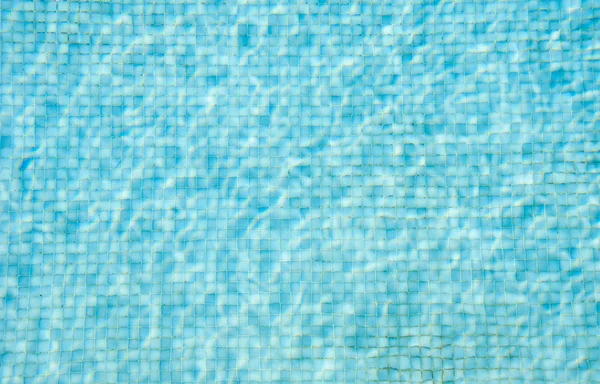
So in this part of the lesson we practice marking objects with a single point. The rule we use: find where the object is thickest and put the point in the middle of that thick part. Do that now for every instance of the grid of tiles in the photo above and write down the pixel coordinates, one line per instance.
(312, 191)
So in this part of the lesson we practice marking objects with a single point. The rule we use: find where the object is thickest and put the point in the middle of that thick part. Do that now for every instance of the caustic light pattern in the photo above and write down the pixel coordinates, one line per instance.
(299, 191)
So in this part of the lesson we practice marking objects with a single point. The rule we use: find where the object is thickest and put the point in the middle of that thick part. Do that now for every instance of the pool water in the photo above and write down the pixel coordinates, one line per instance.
(299, 191)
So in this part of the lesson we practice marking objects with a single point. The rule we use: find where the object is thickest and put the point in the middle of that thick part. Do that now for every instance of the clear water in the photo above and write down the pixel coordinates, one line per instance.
(318, 192)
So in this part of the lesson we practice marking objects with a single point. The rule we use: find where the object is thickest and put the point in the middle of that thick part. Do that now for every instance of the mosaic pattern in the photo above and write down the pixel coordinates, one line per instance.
(318, 192)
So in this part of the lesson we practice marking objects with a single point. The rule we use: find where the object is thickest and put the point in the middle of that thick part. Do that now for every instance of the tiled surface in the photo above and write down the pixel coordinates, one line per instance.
(323, 192)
